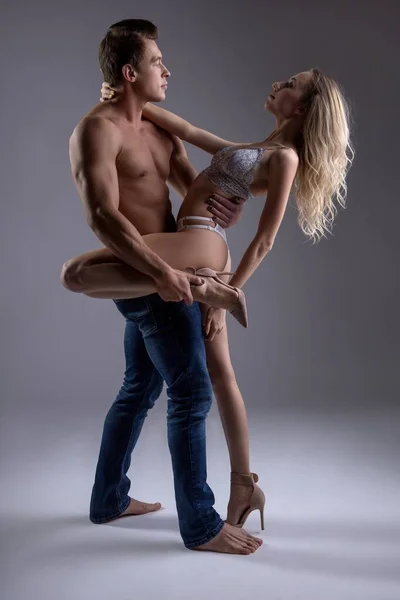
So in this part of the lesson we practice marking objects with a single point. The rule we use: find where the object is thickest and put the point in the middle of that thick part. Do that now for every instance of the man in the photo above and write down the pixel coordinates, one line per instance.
(121, 165)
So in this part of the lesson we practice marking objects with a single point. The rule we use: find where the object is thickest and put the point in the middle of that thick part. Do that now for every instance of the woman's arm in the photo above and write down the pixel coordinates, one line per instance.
(184, 130)
(282, 170)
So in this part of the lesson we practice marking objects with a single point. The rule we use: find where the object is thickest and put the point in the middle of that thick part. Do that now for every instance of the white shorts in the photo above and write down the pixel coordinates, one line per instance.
(212, 226)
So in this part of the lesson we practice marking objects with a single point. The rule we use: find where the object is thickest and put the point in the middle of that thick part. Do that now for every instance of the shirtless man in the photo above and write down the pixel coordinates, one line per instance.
(121, 165)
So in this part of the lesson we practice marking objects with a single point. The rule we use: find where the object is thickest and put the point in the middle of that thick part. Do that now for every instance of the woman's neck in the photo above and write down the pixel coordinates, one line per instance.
(287, 133)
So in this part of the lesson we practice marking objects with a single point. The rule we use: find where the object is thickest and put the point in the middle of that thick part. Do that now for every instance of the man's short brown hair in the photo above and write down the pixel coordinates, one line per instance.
(123, 44)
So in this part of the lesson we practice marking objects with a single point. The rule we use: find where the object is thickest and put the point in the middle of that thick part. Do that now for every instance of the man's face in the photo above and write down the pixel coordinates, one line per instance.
(151, 74)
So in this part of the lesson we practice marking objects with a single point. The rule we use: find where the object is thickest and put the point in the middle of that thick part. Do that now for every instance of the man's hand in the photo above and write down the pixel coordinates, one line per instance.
(226, 211)
(174, 286)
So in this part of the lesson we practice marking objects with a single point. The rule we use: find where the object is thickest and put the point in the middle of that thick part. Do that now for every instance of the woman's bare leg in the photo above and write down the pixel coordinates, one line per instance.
(232, 411)
(230, 402)
(100, 274)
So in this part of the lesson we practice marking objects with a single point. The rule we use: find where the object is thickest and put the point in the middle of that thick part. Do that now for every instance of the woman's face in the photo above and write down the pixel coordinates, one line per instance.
(285, 101)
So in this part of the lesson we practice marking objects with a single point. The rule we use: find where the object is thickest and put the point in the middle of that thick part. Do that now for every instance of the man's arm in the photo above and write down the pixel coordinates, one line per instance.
(226, 212)
(94, 147)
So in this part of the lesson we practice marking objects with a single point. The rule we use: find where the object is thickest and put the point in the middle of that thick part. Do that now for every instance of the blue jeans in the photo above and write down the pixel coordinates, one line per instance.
(163, 342)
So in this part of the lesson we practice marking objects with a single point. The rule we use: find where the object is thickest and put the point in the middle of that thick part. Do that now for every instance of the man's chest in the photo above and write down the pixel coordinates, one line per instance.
(144, 153)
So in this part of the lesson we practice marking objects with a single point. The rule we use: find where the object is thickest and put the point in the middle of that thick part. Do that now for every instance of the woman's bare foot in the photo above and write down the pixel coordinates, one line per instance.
(136, 507)
(232, 540)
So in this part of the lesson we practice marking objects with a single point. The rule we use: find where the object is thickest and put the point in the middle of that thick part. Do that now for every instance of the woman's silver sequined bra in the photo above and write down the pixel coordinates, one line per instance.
(231, 169)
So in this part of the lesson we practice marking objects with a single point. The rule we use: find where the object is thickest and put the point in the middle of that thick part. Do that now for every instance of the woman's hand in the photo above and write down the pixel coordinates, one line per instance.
(109, 93)
(213, 322)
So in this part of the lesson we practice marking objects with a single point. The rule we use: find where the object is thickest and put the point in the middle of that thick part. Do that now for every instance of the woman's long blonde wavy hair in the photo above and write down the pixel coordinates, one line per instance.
(325, 154)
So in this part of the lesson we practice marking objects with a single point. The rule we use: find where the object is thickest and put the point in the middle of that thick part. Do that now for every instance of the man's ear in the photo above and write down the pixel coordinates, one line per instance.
(129, 73)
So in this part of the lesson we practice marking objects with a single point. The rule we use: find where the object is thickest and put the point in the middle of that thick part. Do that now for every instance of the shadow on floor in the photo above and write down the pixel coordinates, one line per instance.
(368, 550)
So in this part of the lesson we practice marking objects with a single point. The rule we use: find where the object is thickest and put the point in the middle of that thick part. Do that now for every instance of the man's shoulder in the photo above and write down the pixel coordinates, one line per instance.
(94, 135)
(95, 122)
(92, 132)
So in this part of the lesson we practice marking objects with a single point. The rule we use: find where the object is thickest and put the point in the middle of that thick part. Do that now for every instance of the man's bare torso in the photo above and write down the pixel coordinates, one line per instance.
(143, 167)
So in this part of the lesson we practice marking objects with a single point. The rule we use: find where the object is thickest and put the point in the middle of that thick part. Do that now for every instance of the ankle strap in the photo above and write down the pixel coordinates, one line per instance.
(244, 479)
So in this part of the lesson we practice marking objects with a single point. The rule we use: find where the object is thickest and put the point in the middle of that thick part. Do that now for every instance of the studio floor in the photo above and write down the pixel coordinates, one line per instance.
(332, 529)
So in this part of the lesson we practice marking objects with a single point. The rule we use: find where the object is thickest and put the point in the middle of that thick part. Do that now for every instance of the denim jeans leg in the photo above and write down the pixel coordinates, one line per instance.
(141, 387)
(174, 340)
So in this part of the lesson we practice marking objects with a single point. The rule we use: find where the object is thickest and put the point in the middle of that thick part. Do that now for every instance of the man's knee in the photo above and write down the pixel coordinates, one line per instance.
(192, 381)
(70, 275)
(154, 390)
(144, 394)
(190, 395)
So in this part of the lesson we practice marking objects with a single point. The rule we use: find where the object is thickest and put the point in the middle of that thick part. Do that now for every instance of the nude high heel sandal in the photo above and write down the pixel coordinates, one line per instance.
(257, 500)
(239, 310)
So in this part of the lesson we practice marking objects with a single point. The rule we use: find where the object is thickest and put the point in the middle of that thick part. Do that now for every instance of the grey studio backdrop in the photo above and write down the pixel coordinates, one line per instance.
(323, 334)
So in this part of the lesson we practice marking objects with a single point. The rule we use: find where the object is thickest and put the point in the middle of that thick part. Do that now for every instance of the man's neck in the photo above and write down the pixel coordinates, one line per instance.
(130, 106)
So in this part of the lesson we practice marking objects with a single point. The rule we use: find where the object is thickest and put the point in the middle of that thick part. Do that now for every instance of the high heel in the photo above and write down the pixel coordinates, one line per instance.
(257, 500)
(239, 311)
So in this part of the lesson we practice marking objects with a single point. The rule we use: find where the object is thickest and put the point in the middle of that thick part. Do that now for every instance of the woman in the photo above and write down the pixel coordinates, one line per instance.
(309, 147)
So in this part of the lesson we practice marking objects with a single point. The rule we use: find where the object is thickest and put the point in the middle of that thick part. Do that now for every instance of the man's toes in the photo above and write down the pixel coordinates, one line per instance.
(256, 539)
(246, 543)
(150, 507)
(141, 508)
(252, 545)
(244, 548)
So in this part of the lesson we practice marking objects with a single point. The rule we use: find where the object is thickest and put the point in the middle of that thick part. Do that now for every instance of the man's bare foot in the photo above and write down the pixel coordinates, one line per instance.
(136, 507)
(232, 540)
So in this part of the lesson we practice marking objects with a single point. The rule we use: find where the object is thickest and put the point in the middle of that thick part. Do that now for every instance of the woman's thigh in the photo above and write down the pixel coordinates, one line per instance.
(190, 248)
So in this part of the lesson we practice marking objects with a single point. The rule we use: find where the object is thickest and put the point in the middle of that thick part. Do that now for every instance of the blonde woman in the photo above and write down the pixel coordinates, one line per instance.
(310, 148)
